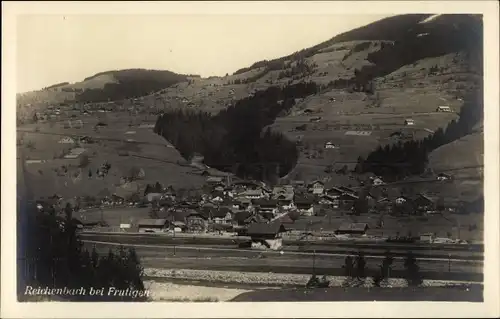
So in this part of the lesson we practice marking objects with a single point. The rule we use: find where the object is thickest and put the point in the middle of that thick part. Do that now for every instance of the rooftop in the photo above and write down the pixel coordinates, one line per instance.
(152, 222)
(266, 228)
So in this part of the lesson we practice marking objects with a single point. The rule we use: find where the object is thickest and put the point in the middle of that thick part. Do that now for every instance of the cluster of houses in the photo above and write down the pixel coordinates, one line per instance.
(241, 203)
(51, 112)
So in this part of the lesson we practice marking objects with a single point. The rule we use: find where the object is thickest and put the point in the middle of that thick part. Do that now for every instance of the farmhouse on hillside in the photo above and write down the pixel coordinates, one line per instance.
(409, 122)
(423, 202)
(377, 181)
(330, 145)
(214, 180)
(66, 140)
(150, 197)
(75, 153)
(316, 187)
(443, 177)
(222, 215)
(443, 109)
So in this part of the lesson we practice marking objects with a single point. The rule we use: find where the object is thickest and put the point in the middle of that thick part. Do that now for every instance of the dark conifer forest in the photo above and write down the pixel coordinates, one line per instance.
(130, 84)
(237, 139)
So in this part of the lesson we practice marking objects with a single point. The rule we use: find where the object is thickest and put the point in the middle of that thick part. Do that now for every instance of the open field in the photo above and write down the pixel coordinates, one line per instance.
(118, 144)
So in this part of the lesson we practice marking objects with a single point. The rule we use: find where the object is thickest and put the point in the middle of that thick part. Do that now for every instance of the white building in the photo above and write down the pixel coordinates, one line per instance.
(377, 181)
(67, 140)
(401, 200)
(330, 145)
(409, 122)
(443, 109)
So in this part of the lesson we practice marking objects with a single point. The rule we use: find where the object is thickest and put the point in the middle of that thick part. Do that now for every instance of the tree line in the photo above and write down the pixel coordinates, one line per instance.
(130, 84)
(237, 139)
(51, 254)
(410, 158)
(355, 271)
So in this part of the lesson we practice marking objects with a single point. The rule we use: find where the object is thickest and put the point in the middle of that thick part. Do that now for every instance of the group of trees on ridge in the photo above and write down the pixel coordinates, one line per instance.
(130, 84)
(236, 139)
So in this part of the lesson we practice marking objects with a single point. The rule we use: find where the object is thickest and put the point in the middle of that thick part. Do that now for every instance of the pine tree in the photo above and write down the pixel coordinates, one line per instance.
(360, 266)
(68, 210)
(348, 266)
(412, 270)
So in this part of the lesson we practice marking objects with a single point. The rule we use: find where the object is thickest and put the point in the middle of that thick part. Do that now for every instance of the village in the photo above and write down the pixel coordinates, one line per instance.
(230, 207)
(220, 204)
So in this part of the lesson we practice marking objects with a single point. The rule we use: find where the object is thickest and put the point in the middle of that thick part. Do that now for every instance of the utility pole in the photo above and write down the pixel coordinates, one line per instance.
(449, 262)
(314, 262)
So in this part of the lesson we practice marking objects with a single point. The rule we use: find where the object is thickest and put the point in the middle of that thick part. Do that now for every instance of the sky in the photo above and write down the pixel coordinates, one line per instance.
(67, 48)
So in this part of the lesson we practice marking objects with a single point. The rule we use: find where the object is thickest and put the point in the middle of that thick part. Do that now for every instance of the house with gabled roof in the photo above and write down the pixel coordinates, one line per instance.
(443, 177)
(285, 200)
(252, 193)
(266, 207)
(242, 218)
(266, 235)
(197, 221)
(334, 192)
(352, 229)
(245, 184)
(409, 122)
(283, 191)
(152, 225)
(223, 215)
(214, 180)
(377, 181)
(347, 190)
(329, 201)
(66, 140)
(347, 199)
(423, 202)
(305, 205)
(402, 199)
(316, 187)
(443, 109)
(243, 203)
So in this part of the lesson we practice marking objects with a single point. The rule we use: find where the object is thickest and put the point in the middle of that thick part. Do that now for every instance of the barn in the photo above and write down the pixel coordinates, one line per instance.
(152, 225)
(266, 235)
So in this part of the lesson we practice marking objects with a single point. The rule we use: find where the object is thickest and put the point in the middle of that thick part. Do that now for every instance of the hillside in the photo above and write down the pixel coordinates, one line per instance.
(101, 87)
(369, 80)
